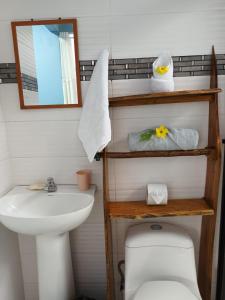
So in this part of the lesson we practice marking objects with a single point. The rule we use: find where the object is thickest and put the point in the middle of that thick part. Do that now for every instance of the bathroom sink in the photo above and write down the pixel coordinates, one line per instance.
(39, 212)
(49, 217)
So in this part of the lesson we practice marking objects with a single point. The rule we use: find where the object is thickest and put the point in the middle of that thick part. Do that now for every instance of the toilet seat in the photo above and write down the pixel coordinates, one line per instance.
(164, 290)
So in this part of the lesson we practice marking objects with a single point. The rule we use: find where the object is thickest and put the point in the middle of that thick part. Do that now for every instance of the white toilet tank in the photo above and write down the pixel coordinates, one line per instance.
(158, 251)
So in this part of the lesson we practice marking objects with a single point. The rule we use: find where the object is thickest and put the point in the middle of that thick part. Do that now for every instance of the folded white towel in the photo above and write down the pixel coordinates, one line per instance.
(95, 127)
(161, 85)
(162, 82)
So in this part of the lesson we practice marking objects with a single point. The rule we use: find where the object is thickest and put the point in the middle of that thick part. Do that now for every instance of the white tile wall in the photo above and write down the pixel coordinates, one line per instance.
(6, 39)
(63, 169)
(57, 138)
(31, 291)
(140, 7)
(11, 283)
(5, 167)
(162, 33)
(44, 142)
(94, 34)
(175, 172)
(42, 9)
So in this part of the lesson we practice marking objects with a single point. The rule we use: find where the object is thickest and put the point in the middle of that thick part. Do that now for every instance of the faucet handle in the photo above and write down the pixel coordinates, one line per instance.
(50, 180)
(51, 186)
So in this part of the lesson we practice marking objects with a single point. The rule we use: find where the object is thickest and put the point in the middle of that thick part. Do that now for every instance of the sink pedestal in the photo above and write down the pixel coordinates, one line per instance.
(55, 272)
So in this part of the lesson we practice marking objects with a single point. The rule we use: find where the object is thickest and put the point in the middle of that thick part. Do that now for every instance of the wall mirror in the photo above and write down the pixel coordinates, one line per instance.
(47, 63)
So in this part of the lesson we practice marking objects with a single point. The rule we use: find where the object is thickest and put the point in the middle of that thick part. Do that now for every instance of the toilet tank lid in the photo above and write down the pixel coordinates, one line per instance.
(164, 290)
(157, 234)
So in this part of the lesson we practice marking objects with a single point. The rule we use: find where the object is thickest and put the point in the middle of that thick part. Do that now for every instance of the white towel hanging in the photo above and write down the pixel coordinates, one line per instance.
(95, 126)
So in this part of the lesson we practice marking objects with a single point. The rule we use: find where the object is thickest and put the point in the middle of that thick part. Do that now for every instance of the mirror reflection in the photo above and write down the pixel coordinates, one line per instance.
(47, 59)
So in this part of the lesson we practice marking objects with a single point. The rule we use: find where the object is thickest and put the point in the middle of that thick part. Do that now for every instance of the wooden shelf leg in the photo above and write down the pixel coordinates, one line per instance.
(208, 229)
(211, 193)
(109, 260)
(206, 256)
(108, 231)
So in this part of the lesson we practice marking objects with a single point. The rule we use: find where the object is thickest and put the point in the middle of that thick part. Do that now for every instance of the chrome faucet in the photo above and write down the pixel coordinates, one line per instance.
(51, 185)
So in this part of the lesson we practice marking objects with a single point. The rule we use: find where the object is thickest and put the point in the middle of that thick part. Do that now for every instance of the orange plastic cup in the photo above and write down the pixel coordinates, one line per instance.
(84, 179)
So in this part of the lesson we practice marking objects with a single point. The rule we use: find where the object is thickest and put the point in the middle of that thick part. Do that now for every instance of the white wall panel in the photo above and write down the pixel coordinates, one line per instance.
(174, 191)
(27, 244)
(88, 236)
(45, 138)
(26, 9)
(94, 36)
(5, 176)
(136, 7)
(167, 112)
(180, 172)
(96, 215)
(29, 264)
(31, 291)
(141, 86)
(29, 170)
(11, 283)
(89, 267)
(148, 35)
(11, 287)
(4, 154)
(7, 53)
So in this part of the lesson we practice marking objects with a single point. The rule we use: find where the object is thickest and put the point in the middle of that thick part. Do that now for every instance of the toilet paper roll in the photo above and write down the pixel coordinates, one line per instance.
(157, 194)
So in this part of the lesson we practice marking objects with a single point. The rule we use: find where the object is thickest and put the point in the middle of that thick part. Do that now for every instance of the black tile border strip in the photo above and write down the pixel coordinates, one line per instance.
(8, 73)
(29, 83)
(135, 68)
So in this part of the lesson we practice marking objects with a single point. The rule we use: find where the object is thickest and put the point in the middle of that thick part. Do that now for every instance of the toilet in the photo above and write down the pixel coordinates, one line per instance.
(159, 263)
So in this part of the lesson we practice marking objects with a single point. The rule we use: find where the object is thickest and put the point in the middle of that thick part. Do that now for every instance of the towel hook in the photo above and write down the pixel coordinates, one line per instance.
(97, 156)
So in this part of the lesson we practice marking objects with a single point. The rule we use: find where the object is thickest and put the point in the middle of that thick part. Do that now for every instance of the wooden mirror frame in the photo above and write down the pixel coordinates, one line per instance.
(18, 68)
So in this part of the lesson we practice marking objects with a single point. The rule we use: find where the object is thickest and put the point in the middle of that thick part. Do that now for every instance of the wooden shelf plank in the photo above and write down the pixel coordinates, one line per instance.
(140, 210)
(171, 153)
(165, 98)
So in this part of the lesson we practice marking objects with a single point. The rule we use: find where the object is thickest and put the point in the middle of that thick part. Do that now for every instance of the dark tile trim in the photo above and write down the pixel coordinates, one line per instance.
(131, 68)
(29, 83)
(8, 73)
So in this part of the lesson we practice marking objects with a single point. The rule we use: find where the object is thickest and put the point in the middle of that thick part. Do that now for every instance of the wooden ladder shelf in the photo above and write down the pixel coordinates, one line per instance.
(206, 207)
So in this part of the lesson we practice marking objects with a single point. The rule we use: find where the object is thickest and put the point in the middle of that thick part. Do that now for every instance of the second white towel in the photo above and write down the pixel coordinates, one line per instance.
(157, 194)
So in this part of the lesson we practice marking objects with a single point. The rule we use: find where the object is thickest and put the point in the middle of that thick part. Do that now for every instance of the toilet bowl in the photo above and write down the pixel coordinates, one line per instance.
(159, 263)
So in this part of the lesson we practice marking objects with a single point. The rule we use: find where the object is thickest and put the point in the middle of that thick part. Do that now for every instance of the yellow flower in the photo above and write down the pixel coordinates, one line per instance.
(161, 132)
(162, 70)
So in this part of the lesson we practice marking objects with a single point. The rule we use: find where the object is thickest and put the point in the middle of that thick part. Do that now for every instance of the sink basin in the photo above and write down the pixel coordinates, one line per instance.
(39, 212)
(49, 217)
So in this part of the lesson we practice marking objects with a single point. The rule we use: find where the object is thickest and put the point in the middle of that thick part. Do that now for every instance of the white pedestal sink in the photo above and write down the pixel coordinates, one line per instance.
(49, 217)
